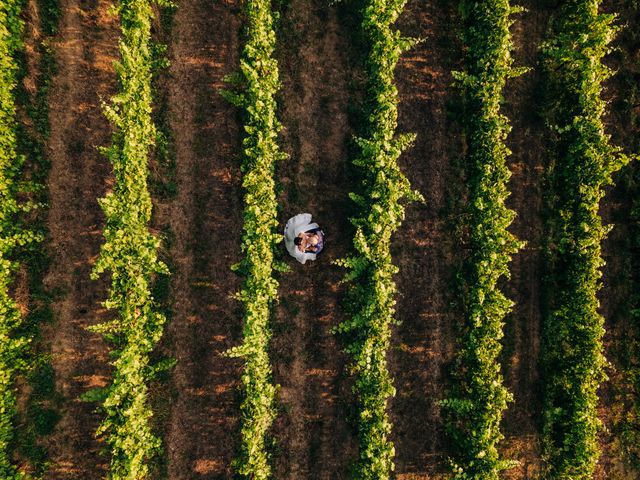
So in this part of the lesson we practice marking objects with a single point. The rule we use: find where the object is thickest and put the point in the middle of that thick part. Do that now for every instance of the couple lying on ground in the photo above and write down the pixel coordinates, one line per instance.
(303, 239)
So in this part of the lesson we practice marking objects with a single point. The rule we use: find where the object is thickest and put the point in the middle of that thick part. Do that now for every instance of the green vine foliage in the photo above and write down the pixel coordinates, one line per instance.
(475, 411)
(12, 234)
(584, 163)
(372, 289)
(130, 255)
(256, 88)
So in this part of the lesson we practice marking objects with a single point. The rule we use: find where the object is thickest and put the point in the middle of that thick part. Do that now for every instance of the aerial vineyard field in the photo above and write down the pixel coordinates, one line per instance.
(461, 321)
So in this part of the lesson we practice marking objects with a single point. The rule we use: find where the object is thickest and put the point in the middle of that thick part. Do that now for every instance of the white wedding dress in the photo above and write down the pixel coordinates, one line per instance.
(295, 225)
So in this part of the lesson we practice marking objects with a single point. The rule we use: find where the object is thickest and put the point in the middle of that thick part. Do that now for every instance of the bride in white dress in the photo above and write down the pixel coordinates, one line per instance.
(295, 226)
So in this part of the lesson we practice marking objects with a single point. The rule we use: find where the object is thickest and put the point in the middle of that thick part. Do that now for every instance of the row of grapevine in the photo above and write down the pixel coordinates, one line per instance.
(129, 253)
(12, 235)
(256, 87)
(583, 164)
(371, 295)
(475, 411)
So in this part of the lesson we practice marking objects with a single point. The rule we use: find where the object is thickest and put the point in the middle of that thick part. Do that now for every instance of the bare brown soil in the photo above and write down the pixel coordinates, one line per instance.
(84, 51)
(33, 37)
(21, 284)
(203, 223)
(528, 164)
(314, 440)
(619, 253)
(425, 246)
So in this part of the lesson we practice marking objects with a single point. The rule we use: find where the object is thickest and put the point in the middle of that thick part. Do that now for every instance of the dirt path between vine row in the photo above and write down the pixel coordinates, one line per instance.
(618, 251)
(528, 164)
(84, 51)
(314, 440)
(423, 247)
(205, 221)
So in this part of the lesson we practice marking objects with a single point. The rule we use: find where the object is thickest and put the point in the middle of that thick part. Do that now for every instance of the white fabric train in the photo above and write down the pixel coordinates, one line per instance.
(295, 225)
